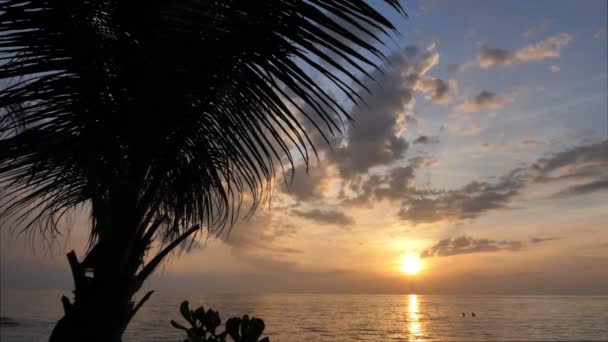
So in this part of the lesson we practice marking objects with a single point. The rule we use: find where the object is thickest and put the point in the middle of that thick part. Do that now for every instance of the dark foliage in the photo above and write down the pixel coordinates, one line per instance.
(203, 326)
(176, 107)
(160, 118)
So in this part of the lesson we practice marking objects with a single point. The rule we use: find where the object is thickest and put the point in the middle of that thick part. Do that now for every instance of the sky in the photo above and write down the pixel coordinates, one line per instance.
(481, 153)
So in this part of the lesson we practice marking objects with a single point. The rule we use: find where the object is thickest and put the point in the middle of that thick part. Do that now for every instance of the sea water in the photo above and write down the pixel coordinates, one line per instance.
(345, 317)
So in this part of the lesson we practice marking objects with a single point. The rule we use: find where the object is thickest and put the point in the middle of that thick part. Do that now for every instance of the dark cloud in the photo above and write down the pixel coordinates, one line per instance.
(587, 163)
(376, 137)
(399, 181)
(467, 245)
(468, 202)
(490, 57)
(583, 189)
(485, 97)
(393, 185)
(411, 51)
(428, 206)
(422, 161)
(437, 90)
(325, 216)
(364, 188)
(485, 100)
(537, 240)
(593, 158)
(308, 186)
(368, 154)
(425, 139)
(411, 119)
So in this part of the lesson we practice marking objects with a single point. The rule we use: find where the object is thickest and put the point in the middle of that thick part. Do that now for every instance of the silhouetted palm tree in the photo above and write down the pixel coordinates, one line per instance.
(159, 117)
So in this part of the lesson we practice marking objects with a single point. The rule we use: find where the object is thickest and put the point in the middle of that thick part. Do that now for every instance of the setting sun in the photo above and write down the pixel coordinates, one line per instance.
(411, 264)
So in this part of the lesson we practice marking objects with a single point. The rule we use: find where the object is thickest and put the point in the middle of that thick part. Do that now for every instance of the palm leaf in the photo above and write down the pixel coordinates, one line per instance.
(173, 109)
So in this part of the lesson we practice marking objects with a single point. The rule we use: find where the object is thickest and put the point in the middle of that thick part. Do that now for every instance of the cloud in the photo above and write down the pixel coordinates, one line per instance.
(583, 189)
(244, 235)
(467, 245)
(437, 90)
(308, 186)
(485, 100)
(529, 143)
(393, 185)
(582, 162)
(494, 147)
(538, 28)
(420, 206)
(588, 163)
(548, 48)
(364, 190)
(262, 238)
(376, 138)
(333, 217)
(425, 140)
(411, 119)
(452, 68)
(489, 57)
(469, 130)
(455, 67)
(537, 240)
(422, 160)
(399, 182)
(468, 202)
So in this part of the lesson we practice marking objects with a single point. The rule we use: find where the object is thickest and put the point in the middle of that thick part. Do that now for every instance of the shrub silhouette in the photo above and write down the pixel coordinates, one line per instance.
(203, 326)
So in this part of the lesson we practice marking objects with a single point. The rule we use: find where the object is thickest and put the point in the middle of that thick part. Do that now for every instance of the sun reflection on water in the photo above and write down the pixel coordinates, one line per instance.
(415, 329)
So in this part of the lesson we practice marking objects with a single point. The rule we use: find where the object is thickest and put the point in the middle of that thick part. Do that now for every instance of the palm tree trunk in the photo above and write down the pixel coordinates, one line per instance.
(103, 305)
(105, 283)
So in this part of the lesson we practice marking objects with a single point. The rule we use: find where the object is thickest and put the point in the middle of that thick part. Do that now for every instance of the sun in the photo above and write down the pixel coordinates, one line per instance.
(411, 264)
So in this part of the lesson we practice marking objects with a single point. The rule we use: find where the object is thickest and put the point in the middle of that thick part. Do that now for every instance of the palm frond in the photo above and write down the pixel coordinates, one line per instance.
(169, 108)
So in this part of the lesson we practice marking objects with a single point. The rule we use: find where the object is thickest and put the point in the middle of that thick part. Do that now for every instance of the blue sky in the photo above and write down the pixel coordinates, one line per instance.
(496, 171)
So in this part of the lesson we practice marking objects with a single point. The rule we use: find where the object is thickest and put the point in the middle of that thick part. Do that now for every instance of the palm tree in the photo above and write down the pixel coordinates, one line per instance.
(159, 118)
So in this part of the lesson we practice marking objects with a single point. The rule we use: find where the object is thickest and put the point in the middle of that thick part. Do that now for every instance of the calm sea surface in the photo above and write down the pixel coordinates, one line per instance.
(329, 317)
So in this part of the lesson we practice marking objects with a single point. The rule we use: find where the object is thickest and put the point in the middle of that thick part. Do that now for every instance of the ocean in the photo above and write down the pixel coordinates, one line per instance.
(345, 317)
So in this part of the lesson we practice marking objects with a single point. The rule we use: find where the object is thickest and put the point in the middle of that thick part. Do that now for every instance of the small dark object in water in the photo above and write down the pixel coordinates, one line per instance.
(8, 322)
(473, 314)
(463, 314)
